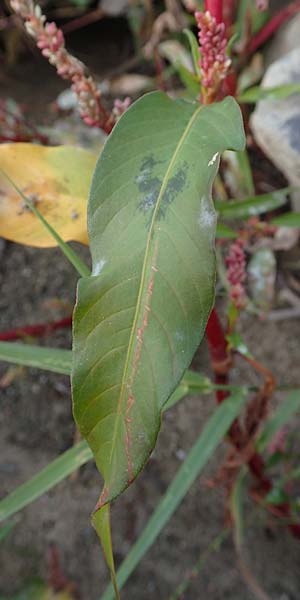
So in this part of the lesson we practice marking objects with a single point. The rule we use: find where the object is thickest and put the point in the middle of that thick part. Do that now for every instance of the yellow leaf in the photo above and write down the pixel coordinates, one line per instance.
(56, 180)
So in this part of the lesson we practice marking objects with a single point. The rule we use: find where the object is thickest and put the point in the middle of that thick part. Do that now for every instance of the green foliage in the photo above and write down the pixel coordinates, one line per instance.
(256, 93)
(50, 359)
(151, 227)
(250, 207)
(291, 219)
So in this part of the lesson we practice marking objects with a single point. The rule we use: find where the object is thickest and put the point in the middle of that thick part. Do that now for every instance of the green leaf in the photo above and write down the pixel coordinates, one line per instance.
(188, 80)
(50, 359)
(101, 523)
(47, 478)
(213, 432)
(236, 342)
(225, 232)
(291, 219)
(246, 173)
(140, 317)
(256, 93)
(252, 206)
(276, 496)
(236, 506)
(194, 46)
(286, 410)
(191, 383)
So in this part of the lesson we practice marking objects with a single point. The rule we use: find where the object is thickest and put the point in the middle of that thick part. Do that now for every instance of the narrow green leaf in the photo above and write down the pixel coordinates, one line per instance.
(283, 414)
(246, 172)
(188, 80)
(256, 93)
(194, 46)
(223, 231)
(291, 219)
(50, 359)
(236, 342)
(141, 316)
(242, 21)
(72, 257)
(212, 434)
(46, 479)
(191, 383)
(255, 205)
(101, 523)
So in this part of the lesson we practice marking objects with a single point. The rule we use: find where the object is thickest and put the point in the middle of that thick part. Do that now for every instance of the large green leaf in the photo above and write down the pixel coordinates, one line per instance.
(141, 315)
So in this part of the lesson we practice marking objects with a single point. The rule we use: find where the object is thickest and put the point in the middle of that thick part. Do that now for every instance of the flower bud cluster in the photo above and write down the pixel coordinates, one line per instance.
(120, 106)
(214, 62)
(236, 273)
(50, 40)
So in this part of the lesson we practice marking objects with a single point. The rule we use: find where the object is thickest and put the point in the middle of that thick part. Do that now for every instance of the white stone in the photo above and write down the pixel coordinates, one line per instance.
(276, 123)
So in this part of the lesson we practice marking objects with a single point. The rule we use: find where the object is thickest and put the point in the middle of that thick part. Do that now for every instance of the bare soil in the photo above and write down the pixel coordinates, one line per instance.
(37, 425)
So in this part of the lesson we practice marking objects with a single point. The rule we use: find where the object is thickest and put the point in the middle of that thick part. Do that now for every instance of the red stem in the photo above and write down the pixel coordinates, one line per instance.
(266, 32)
(215, 7)
(218, 352)
(35, 330)
(229, 10)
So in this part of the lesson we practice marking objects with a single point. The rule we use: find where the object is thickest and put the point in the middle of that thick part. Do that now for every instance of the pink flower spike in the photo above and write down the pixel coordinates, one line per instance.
(50, 40)
(214, 62)
(236, 273)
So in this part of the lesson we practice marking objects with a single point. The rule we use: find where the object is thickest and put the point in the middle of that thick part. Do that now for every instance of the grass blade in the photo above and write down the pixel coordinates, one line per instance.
(50, 359)
(246, 172)
(47, 478)
(256, 93)
(197, 458)
(252, 206)
(290, 219)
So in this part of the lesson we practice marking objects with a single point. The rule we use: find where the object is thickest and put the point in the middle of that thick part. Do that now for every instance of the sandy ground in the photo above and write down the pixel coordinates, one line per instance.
(36, 425)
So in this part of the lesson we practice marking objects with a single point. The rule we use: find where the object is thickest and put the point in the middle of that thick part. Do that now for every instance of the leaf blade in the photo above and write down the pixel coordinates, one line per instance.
(147, 211)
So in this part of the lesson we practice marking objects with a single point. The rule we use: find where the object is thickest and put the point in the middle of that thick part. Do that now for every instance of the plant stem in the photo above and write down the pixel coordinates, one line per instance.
(35, 330)
(220, 361)
(215, 8)
(266, 32)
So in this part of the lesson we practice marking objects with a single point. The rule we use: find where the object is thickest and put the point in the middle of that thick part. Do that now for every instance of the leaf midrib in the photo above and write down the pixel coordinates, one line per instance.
(143, 275)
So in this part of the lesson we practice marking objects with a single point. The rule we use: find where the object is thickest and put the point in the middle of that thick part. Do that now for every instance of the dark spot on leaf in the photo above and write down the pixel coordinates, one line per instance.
(149, 163)
(175, 185)
(150, 186)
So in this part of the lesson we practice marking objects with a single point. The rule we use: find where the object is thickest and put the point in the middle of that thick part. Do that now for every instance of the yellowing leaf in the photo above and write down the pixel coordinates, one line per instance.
(56, 180)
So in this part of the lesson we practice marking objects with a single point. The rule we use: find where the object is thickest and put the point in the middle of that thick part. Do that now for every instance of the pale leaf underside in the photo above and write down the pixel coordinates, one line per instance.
(141, 315)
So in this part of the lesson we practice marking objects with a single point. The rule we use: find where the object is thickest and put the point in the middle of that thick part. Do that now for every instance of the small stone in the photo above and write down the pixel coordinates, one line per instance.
(180, 454)
(276, 123)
